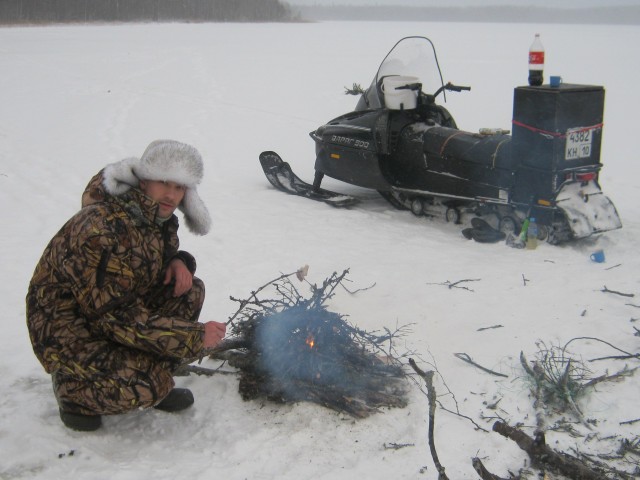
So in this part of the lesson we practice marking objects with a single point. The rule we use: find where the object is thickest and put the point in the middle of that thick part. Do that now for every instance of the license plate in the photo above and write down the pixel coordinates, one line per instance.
(578, 144)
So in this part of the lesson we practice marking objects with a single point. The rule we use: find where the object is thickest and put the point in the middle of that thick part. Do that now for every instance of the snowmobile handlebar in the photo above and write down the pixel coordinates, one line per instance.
(410, 86)
(451, 87)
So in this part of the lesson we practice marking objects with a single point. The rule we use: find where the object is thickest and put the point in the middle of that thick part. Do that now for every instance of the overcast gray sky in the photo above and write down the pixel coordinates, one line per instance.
(476, 3)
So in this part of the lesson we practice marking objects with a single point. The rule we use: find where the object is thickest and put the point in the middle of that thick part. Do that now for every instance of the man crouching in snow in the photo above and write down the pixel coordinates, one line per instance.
(113, 305)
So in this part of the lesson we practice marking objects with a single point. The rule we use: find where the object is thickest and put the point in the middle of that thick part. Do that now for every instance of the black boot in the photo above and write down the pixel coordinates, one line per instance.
(79, 422)
(178, 399)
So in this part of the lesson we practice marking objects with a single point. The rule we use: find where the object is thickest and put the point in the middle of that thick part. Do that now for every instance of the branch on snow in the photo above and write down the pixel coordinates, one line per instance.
(431, 394)
(466, 358)
(606, 290)
(482, 472)
(542, 455)
(456, 284)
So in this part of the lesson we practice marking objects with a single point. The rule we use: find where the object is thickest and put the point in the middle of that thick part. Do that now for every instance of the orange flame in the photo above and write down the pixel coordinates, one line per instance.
(310, 341)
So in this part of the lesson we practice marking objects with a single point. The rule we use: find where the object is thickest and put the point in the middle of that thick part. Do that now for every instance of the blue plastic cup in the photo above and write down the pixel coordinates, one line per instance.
(555, 80)
(598, 256)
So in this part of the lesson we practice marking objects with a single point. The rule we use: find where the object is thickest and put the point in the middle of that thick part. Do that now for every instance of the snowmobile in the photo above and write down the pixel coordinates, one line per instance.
(402, 143)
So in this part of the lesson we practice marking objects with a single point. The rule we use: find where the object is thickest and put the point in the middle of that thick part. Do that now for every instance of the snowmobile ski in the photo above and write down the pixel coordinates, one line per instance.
(280, 175)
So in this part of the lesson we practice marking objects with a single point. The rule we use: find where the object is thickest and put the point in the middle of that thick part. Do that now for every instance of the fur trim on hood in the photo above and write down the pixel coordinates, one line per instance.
(164, 160)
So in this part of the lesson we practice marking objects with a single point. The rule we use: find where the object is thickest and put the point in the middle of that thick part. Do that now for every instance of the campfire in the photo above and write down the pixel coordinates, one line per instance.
(291, 349)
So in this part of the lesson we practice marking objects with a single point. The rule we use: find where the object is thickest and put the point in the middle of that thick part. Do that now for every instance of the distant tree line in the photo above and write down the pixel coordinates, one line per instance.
(614, 15)
(84, 11)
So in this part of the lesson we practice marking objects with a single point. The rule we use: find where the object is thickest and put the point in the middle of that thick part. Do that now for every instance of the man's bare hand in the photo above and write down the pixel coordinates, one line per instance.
(178, 272)
(213, 333)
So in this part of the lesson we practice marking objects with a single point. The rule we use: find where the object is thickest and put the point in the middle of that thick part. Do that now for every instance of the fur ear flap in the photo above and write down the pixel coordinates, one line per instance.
(195, 212)
(119, 176)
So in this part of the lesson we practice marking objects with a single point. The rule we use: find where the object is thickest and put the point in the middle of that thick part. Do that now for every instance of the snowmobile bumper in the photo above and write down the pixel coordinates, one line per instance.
(587, 209)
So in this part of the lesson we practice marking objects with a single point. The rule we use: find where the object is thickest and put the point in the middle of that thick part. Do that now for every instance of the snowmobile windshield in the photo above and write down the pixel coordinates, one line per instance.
(410, 57)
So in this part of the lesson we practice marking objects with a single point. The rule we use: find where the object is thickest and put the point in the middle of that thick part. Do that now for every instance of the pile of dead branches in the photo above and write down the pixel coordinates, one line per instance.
(559, 380)
(289, 348)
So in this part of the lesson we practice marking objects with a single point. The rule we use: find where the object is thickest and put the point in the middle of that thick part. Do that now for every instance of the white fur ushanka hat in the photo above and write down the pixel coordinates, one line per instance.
(164, 160)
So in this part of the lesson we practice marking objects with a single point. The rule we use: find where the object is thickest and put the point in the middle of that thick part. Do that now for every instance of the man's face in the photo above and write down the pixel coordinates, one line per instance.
(166, 194)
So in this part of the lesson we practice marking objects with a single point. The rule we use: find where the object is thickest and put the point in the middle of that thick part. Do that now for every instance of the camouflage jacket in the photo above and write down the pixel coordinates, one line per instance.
(92, 284)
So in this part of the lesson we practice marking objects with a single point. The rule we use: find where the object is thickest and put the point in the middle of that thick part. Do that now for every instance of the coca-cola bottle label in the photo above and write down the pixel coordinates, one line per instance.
(536, 58)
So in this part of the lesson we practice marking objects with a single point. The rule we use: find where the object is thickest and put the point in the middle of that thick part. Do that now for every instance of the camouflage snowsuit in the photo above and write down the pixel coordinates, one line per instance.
(99, 318)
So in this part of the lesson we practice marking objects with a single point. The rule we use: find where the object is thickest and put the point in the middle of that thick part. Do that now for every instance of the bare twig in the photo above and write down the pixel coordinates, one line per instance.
(466, 358)
(540, 453)
(455, 400)
(455, 284)
(450, 284)
(612, 472)
(359, 289)
(431, 394)
(630, 422)
(615, 266)
(625, 372)
(482, 472)
(186, 370)
(320, 294)
(596, 340)
(218, 351)
(397, 446)
(300, 273)
(466, 417)
(606, 290)
(538, 404)
(489, 328)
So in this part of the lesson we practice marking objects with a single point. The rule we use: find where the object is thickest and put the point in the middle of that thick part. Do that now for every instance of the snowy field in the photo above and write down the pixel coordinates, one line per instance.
(74, 98)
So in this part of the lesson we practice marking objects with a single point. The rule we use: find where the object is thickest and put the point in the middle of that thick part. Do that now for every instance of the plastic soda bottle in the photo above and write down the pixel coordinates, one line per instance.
(524, 230)
(536, 62)
(532, 234)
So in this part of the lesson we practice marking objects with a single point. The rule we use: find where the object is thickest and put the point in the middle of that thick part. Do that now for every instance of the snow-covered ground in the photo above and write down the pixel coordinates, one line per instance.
(74, 98)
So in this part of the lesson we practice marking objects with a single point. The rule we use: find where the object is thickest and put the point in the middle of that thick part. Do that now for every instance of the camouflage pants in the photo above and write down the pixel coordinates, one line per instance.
(127, 379)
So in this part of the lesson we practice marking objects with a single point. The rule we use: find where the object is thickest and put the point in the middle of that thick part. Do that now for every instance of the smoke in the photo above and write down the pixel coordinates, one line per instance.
(298, 345)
